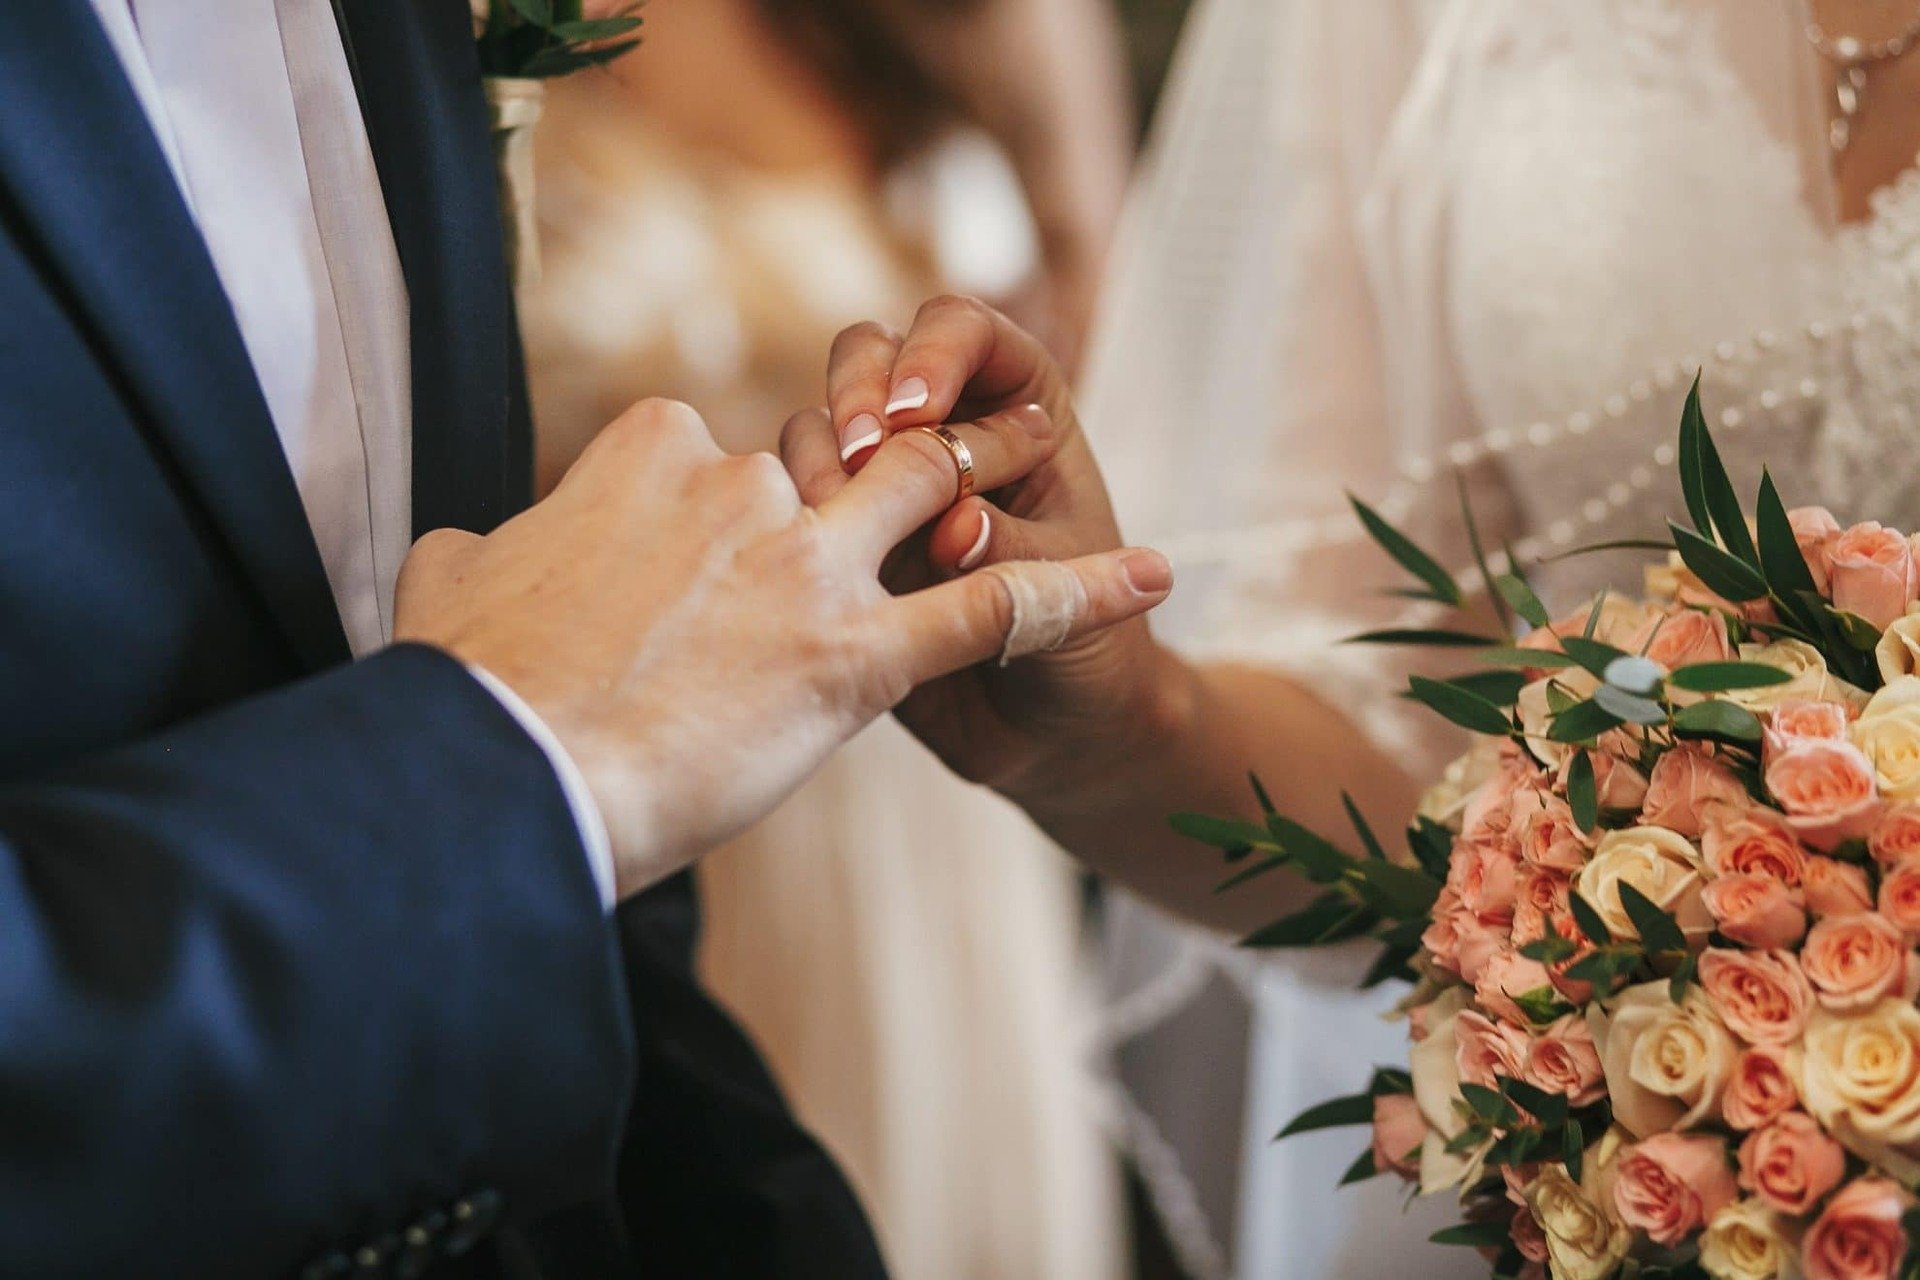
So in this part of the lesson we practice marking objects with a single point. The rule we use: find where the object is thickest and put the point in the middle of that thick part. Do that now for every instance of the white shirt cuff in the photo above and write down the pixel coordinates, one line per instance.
(586, 811)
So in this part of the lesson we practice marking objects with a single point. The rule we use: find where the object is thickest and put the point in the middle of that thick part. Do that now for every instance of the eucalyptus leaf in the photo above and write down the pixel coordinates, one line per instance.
(1525, 659)
(1596, 656)
(1433, 638)
(1582, 722)
(1721, 677)
(1336, 1113)
(1729, 521)
(1659, 931)
(1362, 828)
(1573, 1149)
(1360, 1170)
(1238, 838)
(1479, 1235)
(1407, 555)
(1718, 721)
(1329, 918)
(1693, 489)
(1634, 674)
(538, 12)
(1583, 796)
(1515, 591)
(1320, 859)
(1780, 558)
(1502, 614)
(1501, 688)
(1251, 872)
(1630, 707)
(1592, 927)
(1401, 893)
(1723, 573)
(1468, 710)
(1549, 1109)
(1489, 1104)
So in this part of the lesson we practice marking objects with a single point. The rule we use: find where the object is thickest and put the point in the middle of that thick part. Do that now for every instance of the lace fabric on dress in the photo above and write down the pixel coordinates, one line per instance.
(1380, 245)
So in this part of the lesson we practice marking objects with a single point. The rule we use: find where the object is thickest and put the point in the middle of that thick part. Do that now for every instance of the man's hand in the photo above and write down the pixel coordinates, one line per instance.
(698, 638)
(1049, 731)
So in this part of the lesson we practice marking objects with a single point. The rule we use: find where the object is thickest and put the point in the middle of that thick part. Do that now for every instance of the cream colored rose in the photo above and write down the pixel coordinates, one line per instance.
(1898, 652)
(1662, 864)
(1435, 1064)
(1748, 1241)
(1536, 715)
(1666, 1064)
(1811, 680)
(1862, 1081)
(1584, 1242)
(1446, 800)
(1888, 732)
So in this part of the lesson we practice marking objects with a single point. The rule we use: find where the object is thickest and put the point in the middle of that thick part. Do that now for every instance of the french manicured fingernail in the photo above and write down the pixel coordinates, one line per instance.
(978, 551)
(1148, 572)
(913, 393)
(862, 435)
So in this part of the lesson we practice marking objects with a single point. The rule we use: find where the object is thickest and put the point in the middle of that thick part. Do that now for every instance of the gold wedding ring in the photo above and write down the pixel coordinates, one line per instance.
(962, 458)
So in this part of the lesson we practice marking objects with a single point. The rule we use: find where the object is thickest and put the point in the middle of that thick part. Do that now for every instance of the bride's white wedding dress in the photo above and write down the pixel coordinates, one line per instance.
(1382, 240)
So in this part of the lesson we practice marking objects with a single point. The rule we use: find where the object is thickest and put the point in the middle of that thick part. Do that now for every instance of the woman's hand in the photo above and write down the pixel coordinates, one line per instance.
(1055, 729)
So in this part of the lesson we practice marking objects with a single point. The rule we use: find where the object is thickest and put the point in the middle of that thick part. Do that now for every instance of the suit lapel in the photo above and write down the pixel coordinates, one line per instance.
(419, 86)
(84, 185)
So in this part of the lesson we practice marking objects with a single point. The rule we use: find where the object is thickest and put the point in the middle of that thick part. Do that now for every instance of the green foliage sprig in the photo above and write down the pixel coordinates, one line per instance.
(539, 39)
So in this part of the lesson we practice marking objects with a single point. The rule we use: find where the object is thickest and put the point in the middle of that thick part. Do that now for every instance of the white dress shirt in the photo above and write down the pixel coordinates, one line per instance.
(255, 107)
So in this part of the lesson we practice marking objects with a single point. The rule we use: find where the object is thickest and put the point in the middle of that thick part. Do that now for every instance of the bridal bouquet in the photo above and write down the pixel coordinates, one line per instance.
(1660, 921)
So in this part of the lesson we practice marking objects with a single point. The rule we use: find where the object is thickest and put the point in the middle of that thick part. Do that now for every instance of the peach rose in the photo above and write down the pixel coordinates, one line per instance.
(1814, 528)
(1563, 1059)
(1666, 1064)
(1853, 961)
(1441, 937)
(1670, 1184)
(1835, 888)
(1858, 1236)
(1744, 839)
(1896, 837)
(1900, 898)
(1826, 790)
(1479, 943)
(1761, 995)
(1747, 1241)
(1888, 734)
(1872, 572)
(1685, 782)
(1660, 863)
(1683, 637)
(1506, 976)
(1542, 899)
(1756, 910)
(1485, 872)
(1489, 1049)
(1529, 1237)
(1618, 784)
(1791, 1163)
(1861, 1079)
(1800, 718)
(1549, 837)
(1761, 1086)
(1399, 1130)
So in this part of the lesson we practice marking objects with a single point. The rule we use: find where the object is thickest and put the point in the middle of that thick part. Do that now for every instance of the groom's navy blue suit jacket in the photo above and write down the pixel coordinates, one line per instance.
(302, 968)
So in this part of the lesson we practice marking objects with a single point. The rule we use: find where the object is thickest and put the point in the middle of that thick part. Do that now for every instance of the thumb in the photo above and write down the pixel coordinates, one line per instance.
(1008, 611)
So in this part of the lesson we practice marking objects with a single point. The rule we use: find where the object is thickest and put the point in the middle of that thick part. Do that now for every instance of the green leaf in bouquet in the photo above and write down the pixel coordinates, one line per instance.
(1336, 1113)
(1573, 1149)
(1630, 707)
(1502, 614)
(1466, 709)
(1478, 1235)
(1594, 613)
(1859, 634)
(1780, 558)
(1515, 591)
(1659, 931)
(1634, 674)
(1592, 927)
(1693, 485)
(538, 12)
(1318, 858)
(1723, 677)
(1550, 1109)
(1260, 794)
(1237, 839)
(1430, 638)
(1601, 966)
(1362, 828)
(1473, 1135)
(1582, 722)
(1393, 964)
(1440, 585)
(1501, 688)
(1541, 1005)
(1525, 659)
(1550, 949)
(1583, 796)
(1389, 1080)
(1616, 544)
(1397, 892)
(1725, 574)
(1360, 1170)
(1677, 984)
(1432, 846)
(589, 30)
(1489, 1105)
(1251, 872)
(1559, 701)
(1718, 721)
(1332, 917)
(1594, 655)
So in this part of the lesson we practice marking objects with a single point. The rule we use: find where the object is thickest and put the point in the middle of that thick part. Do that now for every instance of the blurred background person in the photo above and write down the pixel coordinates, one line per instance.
(715, 207)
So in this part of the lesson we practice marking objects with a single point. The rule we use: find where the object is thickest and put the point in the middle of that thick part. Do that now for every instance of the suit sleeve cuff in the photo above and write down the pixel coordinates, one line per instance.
(586, 811)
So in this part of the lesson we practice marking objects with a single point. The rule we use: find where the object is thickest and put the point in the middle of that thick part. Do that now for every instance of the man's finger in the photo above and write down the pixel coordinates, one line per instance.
(916, 476)
(812, 456)
(1011, 610)
(859, 380)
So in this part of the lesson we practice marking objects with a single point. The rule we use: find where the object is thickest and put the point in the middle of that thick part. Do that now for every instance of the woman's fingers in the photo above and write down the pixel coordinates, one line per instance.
(1011, 610)
(961, 352)
(811, 453)
(977, 533)
(916, 476)
(859, 384)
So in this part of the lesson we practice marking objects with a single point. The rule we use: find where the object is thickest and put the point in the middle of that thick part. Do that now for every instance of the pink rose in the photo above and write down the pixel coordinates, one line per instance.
(1487, 1049)
(1685, 782)
(1896, 837)
(1814, 528)
(1801, 718)
(1670, 1184)
(1760, 1088)
(1900, 898)
(1549, 837)
(1507, 975)
(1756, 910)
(1858, 1236)
(1398, 1132)
(1682, 638)
(1619, 785)
(1826, 789)
(1563, 1059)
(1479, 943)
(1442, 934)
(1743, 839)
(1872, 572)
(1527, 1235)
(1835, 888)
(1485, 872)
(1490, 809)
(1854, 960)
(1791, 1163)
(1761, 995)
